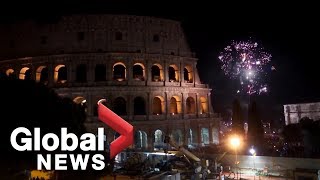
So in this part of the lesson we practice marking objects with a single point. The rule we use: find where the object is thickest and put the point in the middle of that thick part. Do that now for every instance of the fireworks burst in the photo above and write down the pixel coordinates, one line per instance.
(248, 62)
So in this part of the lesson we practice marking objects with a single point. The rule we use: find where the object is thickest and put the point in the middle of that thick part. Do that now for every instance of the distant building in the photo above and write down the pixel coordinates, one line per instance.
(295, 112)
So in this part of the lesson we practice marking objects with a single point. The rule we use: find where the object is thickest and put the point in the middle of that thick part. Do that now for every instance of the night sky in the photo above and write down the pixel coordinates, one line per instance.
(288, 31)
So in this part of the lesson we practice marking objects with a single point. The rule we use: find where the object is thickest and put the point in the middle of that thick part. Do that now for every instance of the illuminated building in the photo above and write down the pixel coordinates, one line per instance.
(295, 112)
(142, 66)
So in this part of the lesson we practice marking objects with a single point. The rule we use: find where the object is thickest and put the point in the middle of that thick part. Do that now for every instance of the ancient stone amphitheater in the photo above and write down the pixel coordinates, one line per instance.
(142, 66)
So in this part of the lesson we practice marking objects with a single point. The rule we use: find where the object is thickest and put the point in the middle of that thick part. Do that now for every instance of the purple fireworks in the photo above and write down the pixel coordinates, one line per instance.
(248, 62)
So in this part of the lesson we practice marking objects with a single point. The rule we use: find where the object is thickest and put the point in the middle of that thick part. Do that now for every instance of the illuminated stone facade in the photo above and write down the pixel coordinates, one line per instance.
(293, 113)
(142, 66)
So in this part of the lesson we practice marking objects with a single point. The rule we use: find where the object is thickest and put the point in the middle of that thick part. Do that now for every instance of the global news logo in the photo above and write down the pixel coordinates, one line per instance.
(87, 142)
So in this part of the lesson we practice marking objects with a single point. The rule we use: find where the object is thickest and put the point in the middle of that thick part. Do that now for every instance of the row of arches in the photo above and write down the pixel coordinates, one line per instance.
(42, 74)
(119, 73)
(119, 105)
(192, 138)
(157, 72)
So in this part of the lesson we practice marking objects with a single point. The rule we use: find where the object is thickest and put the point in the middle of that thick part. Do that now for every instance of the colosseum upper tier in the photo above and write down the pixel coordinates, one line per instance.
(142, 66)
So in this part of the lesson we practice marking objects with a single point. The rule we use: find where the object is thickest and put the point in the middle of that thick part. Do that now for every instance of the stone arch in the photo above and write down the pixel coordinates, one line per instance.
(141, 140)
(139, 106)
(188, 75)
(119, 71)
(175, 105)
(158, 136)
(173, 73)
(138, 71)
(42, 74)
(204, 105)
(100, 72)
(158, 105)
(215, 135)
(82, 102)
(60, 74)
(25, 73)
(204, 135)
(81, 73)
(177, 136)
(95, 106)
(157, 72)
(119, 106)
(158, 139)
(190, 106)
(193, 136)
(9, 72)
(79, 100)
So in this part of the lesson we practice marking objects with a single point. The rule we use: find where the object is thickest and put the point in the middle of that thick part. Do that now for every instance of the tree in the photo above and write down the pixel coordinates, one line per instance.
(302, 138)
(310, 137)
(237, 118)
(255, 128)
(293, 138)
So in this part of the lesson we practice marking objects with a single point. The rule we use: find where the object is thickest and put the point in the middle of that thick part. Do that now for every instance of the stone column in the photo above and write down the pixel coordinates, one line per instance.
(199, 135)
(33, 70)
(130, 107)
(148, 71)
(70, 72)
(150, 139)
(183, 105)
(91, 71)
(209, 104)
(181, 73)
(166, 71)
(109, 71)
(210, 134)
(186, 134)
(148, 106)
(194, 74)
(145, 70)
(90, 105)
(50, 74)
(167, 101)
(168, 132)
(129, 70)
(198, 107)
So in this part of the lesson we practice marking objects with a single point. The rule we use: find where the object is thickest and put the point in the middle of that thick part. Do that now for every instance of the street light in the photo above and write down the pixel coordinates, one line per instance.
(253, 153)
(235, 144)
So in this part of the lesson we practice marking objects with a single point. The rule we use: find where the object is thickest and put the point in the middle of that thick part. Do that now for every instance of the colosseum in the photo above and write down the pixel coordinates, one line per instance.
(142, 66)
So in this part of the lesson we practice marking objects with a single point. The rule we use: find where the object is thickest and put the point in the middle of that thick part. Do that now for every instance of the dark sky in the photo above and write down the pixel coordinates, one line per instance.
(288, 31)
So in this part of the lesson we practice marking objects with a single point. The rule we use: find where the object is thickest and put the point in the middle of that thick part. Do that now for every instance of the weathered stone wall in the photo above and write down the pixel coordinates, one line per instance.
(83, 58)
(295, 112)
(94, 33)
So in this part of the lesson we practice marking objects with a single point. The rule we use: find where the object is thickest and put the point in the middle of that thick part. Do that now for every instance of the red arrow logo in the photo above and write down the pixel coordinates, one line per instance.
(118, 124)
